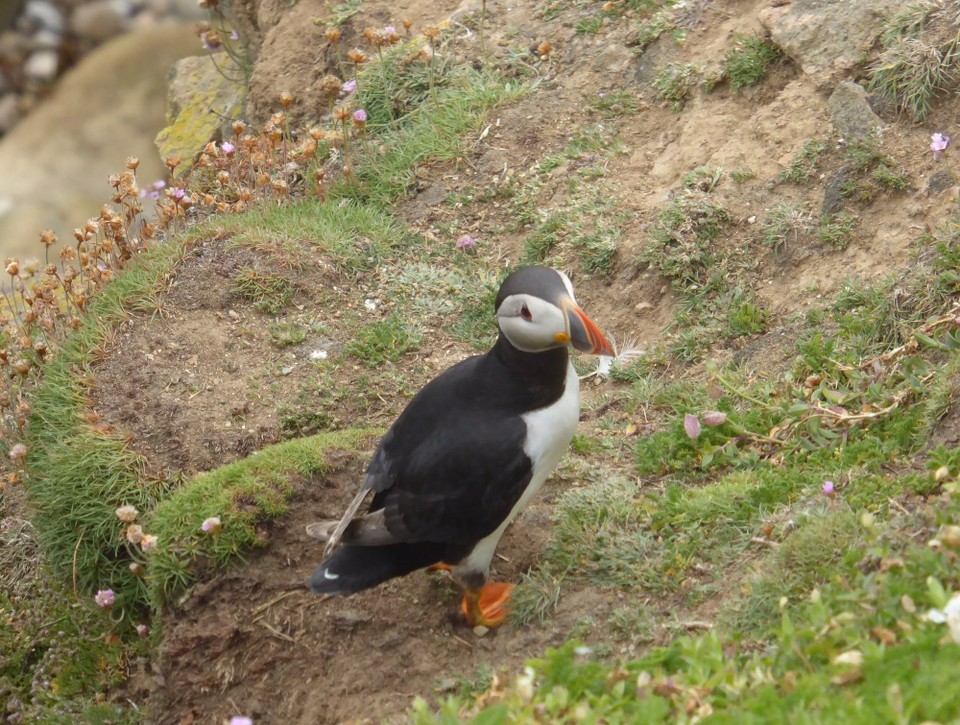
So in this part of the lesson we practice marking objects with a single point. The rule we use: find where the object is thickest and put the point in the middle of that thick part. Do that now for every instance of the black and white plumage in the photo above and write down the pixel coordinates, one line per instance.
(468, 452)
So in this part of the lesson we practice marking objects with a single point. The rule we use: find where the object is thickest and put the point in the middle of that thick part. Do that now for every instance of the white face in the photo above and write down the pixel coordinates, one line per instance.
(532, 324)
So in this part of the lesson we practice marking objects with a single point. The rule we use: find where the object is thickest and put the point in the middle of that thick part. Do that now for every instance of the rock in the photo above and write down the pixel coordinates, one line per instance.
(850, 112)
(42, 65)
(109, 106)
(940, 181)
(45, 14)
(97, 21)
(9, 112)
(826, 35)
(187, 10)
(833, 197)
(200, 99)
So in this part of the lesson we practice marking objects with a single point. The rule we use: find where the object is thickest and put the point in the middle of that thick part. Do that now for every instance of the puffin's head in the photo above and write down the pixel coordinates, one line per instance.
(536, 311)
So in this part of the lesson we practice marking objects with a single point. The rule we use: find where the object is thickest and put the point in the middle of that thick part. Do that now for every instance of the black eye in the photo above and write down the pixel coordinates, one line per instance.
(525, 313)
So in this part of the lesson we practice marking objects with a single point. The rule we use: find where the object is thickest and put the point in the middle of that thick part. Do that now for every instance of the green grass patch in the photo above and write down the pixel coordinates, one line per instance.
(747, 63)
(384, 341)
(241, 494)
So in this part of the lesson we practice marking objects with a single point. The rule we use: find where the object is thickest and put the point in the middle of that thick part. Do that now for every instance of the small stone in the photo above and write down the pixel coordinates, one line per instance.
(96, 21)
(287, 370)
(641, 306)
(480, 630)
(42, 65)
(233, 315)
(45, 14)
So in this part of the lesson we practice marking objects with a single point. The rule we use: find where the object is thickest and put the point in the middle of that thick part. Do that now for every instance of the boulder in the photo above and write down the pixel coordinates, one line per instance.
(850, 112)
(56, 160)
(826, 36)
(201, 98)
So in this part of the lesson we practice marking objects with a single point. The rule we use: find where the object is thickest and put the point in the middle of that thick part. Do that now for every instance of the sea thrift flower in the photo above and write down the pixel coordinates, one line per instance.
(348, 87)
(240, 720)
(466, 242)
(234, 35)
(148, 542)
(127, 514)
(360, 117)
(211, 525)
(227, 148)
(938, 144)
(18, 453)
(134, 533)
(179, 194)
(105, 598)
(828, 489)
(142, 630)
(691, 424)
(713, 418)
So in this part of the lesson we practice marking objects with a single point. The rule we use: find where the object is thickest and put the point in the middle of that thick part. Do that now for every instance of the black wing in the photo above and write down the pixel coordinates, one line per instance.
(452, 466)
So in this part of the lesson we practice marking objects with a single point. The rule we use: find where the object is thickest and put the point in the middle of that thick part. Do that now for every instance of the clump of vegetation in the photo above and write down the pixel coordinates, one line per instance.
(786, 223)
(680, 242)
(804, 163)
(269, 293)
(921, 56)
(676, 83)
(836, 230)
(747, 62)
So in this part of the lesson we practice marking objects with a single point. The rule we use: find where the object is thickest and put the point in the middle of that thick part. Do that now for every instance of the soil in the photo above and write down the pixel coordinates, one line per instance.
(197, 383)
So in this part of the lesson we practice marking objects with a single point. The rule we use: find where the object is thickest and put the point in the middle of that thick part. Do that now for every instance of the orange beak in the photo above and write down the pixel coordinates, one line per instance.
(584, 335)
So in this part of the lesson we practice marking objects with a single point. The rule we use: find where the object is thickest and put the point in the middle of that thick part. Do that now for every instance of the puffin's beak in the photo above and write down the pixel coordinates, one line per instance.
(584, 334)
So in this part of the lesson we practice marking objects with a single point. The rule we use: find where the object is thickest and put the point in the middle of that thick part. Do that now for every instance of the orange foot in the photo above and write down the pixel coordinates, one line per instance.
(487, 606)
(439, 567)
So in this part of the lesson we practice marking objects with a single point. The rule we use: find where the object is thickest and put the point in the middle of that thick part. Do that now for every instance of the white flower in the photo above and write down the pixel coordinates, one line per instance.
(949, 615)
(370, 304)
(148, 542)
(127, 514)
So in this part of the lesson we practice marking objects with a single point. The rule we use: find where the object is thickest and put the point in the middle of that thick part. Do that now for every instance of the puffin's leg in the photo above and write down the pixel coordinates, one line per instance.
(440, 567)
(487, 606)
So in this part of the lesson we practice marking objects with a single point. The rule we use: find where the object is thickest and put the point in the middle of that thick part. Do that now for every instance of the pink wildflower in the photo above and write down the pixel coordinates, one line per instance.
(105, 598)
(142, 630)
(360, 117)
(466, 242)
(691, 424)
(18, 453)
(828, 489)
(211, 525)
(227, 148)
(348, 87)
(713, 418)
(938, 144)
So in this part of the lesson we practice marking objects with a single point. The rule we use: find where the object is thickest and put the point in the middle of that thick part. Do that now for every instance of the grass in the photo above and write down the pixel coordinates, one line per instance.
(676, 83)
(825, 597)
(747, 63)
(786, 224)
(920, 57)
(804, 164)
(384, 341)
(242, 495)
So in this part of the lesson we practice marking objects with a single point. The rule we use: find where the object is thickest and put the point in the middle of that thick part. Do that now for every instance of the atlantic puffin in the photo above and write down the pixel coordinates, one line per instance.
(468, 453)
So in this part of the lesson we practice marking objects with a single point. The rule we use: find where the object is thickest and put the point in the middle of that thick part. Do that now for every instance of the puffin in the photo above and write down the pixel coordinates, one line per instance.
(467, 454)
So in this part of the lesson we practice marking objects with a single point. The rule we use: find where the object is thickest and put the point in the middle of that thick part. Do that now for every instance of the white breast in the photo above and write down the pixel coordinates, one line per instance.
(549, 432)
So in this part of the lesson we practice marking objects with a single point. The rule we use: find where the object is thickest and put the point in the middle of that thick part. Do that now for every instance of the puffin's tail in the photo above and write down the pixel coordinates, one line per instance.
(355, 568)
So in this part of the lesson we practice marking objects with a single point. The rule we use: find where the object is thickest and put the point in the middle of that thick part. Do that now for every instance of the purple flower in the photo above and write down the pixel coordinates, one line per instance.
(828, 489)
(466, 242)
(234, 35)
(178, 194)
(713, 418)
(227, 147)
(938, 144)
(389, 30)
(241, 720)
(142, 630)
(18, 453)
(691, 424)
(360, 116)
(212, 45)
(348, 87)
(211, 525)
(105, 598)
